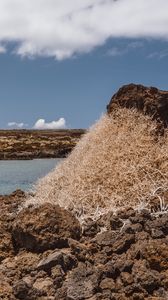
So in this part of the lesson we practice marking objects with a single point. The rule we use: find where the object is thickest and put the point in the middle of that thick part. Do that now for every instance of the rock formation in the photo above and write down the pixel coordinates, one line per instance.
(148, 100)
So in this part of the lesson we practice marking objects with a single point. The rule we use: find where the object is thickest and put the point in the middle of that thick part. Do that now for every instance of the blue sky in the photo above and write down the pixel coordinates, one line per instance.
(75, 81)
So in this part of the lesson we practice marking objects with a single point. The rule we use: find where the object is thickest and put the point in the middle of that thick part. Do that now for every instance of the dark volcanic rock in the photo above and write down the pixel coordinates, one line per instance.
(118, 257)
(156, 254)
(62, 258)
(148, 100)
(43, 228)
(81, 283)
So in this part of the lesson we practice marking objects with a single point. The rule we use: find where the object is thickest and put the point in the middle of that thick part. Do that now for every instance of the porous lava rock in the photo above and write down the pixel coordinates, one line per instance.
(148, 100)
(120, 256)
(45, 227)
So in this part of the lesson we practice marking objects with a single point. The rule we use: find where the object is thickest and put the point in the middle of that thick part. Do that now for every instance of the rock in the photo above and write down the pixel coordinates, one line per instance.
(122, 263)
(160, 224)
(108, 283)
(161, 293)
(91, 228)
(81, 283)
(141, 236)
(148, 100)
(137, 296)
(57, 271)
(126, 278)
(138, 219)
(126, 213)
(6, 247)
(55, 258)
(116, 223)
(19, 267)
(43, 228)
(110, 270)
(165, 279)
(135, 288)
(5, 289)
(80, 250)
(44, 285)
(156, 254)
(21, 290)
(148, 279)
(123, 243)
(9, 205)
(132, 228)
(157, 234)
(106, 238)
(65, 260)
(58, 275)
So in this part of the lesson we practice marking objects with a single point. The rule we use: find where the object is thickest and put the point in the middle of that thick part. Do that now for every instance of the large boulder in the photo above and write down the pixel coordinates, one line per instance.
(45, 227)
(148, 100)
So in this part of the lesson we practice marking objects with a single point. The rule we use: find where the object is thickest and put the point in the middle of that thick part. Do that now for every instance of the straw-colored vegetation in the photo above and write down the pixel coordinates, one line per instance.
(118, 163)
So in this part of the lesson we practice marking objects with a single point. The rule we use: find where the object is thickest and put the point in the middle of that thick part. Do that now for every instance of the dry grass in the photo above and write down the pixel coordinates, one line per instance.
(118, 163)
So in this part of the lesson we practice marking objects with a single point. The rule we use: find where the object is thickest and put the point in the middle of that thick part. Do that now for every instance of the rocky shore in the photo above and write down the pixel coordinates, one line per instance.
(31, 144)
(45, 254)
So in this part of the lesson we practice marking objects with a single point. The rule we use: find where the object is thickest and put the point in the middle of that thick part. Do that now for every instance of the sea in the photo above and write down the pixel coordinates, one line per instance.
(23, 174)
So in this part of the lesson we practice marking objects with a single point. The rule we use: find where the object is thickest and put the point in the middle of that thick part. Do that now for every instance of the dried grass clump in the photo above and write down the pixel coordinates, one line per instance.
(118, 163)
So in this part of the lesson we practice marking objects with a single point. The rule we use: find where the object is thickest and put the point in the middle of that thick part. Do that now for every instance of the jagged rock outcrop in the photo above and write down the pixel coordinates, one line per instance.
(148, 100)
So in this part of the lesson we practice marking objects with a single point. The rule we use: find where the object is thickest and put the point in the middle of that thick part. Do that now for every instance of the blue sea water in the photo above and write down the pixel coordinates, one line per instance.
(22, 174)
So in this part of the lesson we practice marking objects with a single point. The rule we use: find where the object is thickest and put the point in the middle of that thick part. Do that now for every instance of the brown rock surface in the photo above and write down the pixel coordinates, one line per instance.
(30, 144)
(148, 100)
(8, 208)
(43, 228)
(120, 259)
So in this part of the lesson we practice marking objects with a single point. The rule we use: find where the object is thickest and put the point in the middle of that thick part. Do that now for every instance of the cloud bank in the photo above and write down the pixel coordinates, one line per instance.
(63, 28)
(17, 125)
(42, 124)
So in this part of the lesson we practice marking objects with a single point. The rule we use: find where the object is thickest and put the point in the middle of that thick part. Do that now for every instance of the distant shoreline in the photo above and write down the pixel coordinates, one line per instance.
(25, 144)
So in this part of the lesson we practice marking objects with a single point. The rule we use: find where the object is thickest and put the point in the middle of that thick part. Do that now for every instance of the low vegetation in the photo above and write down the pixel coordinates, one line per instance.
(120, 162)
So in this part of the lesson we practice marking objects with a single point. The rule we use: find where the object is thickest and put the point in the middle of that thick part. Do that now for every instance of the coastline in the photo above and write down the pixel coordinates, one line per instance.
(32, 144)
(50, 250)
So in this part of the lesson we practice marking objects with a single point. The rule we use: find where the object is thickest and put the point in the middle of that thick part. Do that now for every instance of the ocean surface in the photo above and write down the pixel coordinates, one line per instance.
(22, 174)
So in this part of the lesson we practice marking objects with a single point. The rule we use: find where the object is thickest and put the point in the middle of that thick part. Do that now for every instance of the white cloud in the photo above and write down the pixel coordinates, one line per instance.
(159, 54)
(17, 125)
(2, 49)
(62, 28)
(117, 51)
(135, 45)
(42, 124)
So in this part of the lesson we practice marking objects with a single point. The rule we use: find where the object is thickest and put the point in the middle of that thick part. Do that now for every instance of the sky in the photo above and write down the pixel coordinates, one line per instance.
(62, 60)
